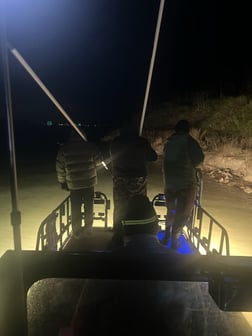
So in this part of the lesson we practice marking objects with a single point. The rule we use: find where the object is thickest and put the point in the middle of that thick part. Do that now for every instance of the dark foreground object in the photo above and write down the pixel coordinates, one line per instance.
(85, 290)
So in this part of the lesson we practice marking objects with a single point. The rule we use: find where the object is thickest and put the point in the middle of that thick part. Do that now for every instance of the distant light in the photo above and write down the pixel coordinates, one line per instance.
(49, 123)
(79, 124)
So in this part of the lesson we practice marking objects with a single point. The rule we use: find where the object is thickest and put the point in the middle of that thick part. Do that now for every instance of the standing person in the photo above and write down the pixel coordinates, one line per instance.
(129, 154)
(182, 154)
(76, 171)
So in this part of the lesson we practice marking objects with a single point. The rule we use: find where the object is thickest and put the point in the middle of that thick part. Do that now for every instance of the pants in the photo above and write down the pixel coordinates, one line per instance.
(179, 205)
(78, 197)
(123, 189)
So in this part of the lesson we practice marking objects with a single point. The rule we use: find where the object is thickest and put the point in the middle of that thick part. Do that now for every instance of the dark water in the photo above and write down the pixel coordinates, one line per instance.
(32, 142)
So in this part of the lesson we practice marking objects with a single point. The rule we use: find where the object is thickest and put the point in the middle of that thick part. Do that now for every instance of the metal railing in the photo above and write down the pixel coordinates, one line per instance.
(55, 229)
(205, 233)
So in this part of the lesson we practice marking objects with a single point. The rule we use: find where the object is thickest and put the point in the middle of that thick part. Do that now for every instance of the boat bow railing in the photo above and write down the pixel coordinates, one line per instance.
(55, 229)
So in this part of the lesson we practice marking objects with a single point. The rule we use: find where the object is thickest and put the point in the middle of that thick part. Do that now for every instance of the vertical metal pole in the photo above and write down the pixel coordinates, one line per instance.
(159, 19)
(18, 300)
(15, 214)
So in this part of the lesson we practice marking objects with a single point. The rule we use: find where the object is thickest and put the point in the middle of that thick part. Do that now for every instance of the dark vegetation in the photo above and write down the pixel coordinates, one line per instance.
(218, 121)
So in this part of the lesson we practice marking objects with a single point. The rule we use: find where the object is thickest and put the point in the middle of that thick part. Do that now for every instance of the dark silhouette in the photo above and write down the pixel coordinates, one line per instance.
(129, 154)
(140, 227)
(76, 171)
(137, 307)
(135, 313)
(182, 154)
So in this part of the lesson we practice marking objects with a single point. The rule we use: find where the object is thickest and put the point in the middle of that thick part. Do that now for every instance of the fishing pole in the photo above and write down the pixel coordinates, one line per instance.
(154, 49)
(32, 73)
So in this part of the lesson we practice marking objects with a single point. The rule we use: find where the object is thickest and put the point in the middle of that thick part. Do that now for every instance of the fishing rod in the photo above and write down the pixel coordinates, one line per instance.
(32, 73)
(154, 49)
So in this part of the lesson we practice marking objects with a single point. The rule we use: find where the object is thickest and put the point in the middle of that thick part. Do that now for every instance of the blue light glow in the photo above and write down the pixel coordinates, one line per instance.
(184, 248)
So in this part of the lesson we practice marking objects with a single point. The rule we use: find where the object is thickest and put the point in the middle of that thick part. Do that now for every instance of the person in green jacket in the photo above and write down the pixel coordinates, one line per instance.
(182, 155)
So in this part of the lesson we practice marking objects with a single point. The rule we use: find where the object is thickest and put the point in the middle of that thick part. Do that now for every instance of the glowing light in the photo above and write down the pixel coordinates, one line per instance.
(184, 246)
(104, 165)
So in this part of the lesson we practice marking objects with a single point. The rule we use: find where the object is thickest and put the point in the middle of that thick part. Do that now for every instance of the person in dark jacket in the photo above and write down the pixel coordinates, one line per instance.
(76, 171)
(140, 228)
(130, 154)
(182, 154)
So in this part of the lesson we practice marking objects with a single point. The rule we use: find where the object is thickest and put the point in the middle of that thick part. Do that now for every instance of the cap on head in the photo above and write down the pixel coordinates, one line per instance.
(182, 126)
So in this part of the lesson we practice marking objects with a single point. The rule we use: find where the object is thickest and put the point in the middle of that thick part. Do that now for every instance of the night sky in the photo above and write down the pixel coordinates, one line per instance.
(94, 55)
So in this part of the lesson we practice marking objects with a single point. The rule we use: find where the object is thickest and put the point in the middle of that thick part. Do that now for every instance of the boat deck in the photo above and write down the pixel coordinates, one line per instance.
(65, 307)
